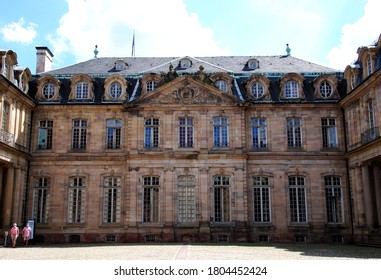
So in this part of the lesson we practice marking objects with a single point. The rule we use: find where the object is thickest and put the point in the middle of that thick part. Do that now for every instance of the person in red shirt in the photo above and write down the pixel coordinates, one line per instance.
(26, 234)
(14, 234)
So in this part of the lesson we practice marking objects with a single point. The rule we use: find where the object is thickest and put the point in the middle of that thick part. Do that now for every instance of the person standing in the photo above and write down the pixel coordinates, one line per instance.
(26, 234)
(14, 234)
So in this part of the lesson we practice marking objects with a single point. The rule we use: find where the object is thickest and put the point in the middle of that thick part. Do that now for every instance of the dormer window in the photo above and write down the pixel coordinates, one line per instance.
(325, 89)
(121, 65)
(291, 89)
(222, 85)
(81, 90)
(48, 90)
(115, 90)
(257, 90)
(185, 63)
(252, 64)
(151, 85)
(353, 80)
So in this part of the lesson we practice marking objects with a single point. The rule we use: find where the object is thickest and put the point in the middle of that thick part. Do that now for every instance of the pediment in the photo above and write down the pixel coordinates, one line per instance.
(189, 91)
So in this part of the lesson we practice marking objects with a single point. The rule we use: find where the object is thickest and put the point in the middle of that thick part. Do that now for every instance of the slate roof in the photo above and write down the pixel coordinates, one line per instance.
(235, 65)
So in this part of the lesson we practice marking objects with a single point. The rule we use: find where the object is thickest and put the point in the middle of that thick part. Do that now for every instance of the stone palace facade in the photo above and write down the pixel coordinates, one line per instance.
(192, 149)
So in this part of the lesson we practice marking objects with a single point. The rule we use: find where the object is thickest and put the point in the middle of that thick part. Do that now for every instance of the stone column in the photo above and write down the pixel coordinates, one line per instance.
(8, 198)
(17, 200)
(367, 195)
(377, 190)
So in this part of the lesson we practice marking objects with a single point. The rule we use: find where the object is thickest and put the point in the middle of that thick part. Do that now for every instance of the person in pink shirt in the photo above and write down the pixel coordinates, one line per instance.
(26, 234)
(14, 234)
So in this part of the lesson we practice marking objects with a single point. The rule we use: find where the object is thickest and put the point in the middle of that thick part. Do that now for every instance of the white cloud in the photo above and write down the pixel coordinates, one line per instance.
(20, 32)
(363, 32)
(162, 28)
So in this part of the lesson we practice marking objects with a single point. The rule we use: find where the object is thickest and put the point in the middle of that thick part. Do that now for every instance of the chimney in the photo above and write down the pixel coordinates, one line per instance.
(44, 60)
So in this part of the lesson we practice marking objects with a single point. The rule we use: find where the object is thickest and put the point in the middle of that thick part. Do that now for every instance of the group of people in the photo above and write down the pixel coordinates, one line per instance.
(26, 234)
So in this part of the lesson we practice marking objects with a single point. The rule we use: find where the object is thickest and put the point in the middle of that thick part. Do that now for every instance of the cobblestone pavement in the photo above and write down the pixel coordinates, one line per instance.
(190, 252)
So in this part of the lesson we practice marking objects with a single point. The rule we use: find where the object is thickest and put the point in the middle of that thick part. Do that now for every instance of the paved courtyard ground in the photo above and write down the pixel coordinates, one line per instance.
(190, 252)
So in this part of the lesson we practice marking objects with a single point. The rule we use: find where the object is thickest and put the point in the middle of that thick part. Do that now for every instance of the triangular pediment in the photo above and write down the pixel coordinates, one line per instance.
(188, 91)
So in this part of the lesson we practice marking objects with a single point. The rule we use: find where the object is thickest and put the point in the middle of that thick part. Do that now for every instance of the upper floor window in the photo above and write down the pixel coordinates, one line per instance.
(5, 117)
(252, 64)
(151, 133)
(325, 89)
(45, 134)
(187, 199)
(81, 90)
(257, 90)
(222, 85)
(371, 114)
(259, 132)
(114, 128)
(41, 198)
(221, 198)
(151, 85)
(77, 200)
(186, 132)
(79, 134)
(111, 199)
(220, 132)
(185, 63)
(298, 199)
(329, 132)
(151, 185)
(334, 199)
(48, 90)
(261, 200)
(115, 90)
(294, 133)
(291, 89)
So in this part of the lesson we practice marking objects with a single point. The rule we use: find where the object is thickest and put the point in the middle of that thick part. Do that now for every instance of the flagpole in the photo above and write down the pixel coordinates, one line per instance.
(133, 45)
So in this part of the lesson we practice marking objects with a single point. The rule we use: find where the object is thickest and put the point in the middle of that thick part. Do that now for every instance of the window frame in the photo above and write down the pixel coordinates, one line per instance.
(82, 90)
(294, 133)
(79, 135)
(41, 200)
(335, 206)
(298, 204)
(261, 188)
(113, 134)
(45, 134)
(111, 212)
(259, 133)
(221, 199)
(186, 132)
(220, 132)
(151, 133)
(329, 133)
(76, 200)
(151, 199)
(186, 195)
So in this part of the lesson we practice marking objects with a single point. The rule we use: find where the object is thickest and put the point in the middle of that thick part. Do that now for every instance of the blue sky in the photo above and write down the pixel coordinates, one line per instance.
(326, 32)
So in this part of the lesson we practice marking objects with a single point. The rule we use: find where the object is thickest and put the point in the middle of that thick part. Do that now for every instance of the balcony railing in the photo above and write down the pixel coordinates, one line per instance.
(370, 135)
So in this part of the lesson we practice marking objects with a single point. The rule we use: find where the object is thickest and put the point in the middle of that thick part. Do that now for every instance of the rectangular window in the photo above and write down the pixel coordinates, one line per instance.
(187, 199)
(292, 89)
(329, 132)
(114, 128)
(259, 132)
(298, 203)
(77, 199)
(334, 199)
(185, 132)
(261, 199)
(151, 133)
(220, 132)
(111, 200)
(41, 194)
(294, 133)
(79, 135)
(81, 91)
(5, 118)
(151, 199)
(45, 135)
(371, 114)
(221, 196)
